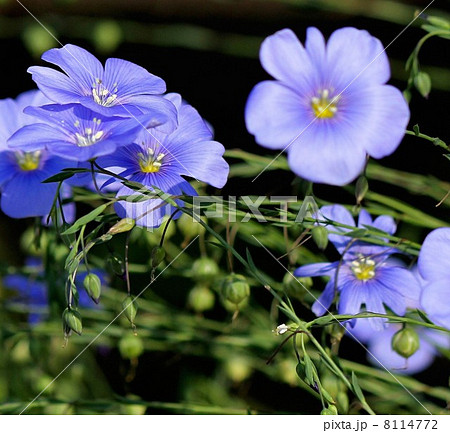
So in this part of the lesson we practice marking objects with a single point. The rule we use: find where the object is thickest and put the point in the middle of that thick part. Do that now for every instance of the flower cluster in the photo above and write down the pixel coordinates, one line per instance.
(117, 113)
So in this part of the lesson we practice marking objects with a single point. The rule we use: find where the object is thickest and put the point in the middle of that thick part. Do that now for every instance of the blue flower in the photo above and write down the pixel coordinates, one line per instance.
(434, 268)
(121, 88)
(363, 275)
(329, 105)
(22, 171)
(161, 160)
(381, 354)
(75, 132)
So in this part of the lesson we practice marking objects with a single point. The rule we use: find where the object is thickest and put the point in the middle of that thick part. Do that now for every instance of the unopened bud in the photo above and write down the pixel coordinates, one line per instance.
(439, 22)
(405, 342)
(72, 321)
(422, 81)
(157, 256)
(330, 410)
(93, 286)
(235, 288)
(129, 307)
(320, 236)
(116, 264)
(201, 299)
(131, 346)
(361, 188)
(124, 225)
(204, 269)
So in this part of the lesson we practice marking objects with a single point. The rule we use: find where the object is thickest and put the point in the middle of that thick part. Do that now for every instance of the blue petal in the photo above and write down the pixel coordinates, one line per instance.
(316, 270)
(435, 299)
(203, 161)
(19, 196)
(275, 115)
(352, 295)
(355, 56)
(315, 47)
(399, 285)
(36, 137)
(364, 218)
(321, 306)
(327, 152)
(9, 120)
(80, 65)
(8, 166)
(283, 56)
(433, 258)
(55, 85)
(339, 214)
(385, 223)
(385, 113)
(131, 79)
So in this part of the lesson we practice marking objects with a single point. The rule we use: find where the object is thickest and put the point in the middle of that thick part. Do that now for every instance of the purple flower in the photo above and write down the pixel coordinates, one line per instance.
(22, 171)
(160, 160)
(381, 354)
(121, 88)
(363, 275)
(434, 268)
(75, 132)
(329, 105)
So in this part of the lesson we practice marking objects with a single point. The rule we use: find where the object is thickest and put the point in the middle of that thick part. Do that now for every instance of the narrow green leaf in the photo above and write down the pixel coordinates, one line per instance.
(58, 177)
(356, 388)
(85, 219)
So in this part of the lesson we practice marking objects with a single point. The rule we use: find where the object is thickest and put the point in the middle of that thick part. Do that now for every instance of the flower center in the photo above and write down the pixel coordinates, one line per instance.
(363, 268)
(149, 162)
(88, 136)
(102, 95)
(28, 161)
(324, 107)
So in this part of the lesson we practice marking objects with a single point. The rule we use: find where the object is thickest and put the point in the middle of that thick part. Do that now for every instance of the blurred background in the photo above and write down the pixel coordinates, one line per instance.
(186, 358)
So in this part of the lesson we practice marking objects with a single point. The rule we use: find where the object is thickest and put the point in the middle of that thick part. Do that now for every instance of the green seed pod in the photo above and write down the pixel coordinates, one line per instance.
(157, 256)
(422, 81)
(204, 269)
(405, 342)
(296, 287)
(115, 264)
(129, 307)
(131, 346)
(235, 288)
(72, 321)
(201, 299)
(439, 22)
(93, 286)
(342, 402)
(330, 410)
(189, 226)
(124, 225)
(361, 188)
(320, 236)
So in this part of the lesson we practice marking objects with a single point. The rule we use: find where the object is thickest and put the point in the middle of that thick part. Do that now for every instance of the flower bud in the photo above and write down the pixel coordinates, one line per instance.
(129, 307)
(201, 299)
(204, 269)
(422, 81)
(235, 288)
(330, 410)
(189, 226)
(72, 321)
(361, 188)
(157, 256)
(116, 264)
(405, 342)
(320, 236)
(93, 286)
(131, 346)
(124, 225)
(342, 402)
